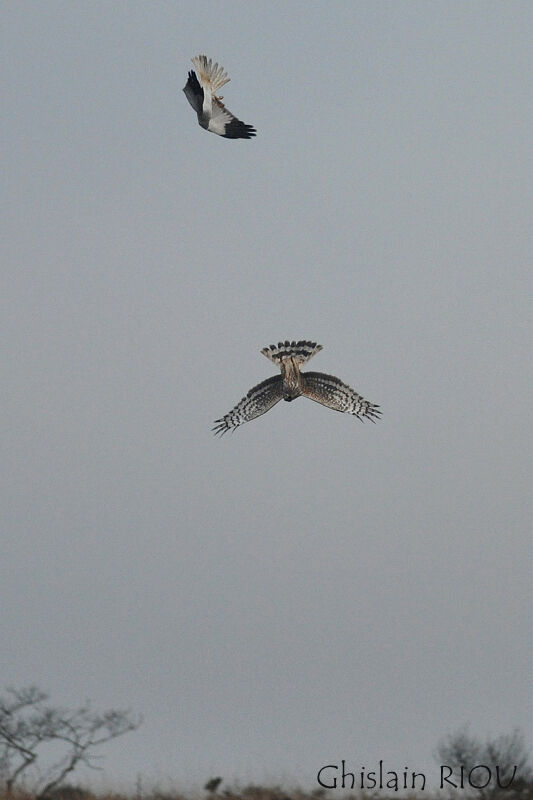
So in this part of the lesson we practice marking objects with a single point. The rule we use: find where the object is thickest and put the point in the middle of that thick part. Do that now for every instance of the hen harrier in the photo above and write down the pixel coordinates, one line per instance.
(325, 389)
(212, 113)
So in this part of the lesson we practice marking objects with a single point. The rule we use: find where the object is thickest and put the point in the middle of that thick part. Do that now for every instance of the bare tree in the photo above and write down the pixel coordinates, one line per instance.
(27, 723)
(20, 732)
(505, 756)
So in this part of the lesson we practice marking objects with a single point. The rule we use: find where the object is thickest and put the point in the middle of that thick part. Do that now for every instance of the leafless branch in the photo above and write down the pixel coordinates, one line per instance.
(26, 722)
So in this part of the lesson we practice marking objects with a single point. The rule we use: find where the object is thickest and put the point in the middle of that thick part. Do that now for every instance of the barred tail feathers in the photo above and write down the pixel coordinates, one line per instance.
(302, 351)
(210, 73)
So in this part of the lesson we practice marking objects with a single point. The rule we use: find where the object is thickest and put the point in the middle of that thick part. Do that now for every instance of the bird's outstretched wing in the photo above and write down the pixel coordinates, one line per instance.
(194, 92)
(333, 393)
(258, 401)
(226, 124)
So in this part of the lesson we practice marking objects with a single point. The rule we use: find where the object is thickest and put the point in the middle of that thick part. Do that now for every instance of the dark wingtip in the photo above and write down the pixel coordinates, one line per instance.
(374, 414)
(239, 130)
(220, 427)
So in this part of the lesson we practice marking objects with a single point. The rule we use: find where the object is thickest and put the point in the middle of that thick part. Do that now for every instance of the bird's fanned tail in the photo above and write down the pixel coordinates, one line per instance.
(210, 74)
(302, 351)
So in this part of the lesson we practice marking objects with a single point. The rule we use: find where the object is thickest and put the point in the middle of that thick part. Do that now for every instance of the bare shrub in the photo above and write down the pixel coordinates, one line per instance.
(27, 723)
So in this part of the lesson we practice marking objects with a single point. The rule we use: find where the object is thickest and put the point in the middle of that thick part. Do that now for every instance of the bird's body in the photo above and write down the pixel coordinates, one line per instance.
(289, 356)
(292, 379)
(292, 383)
(213, 115)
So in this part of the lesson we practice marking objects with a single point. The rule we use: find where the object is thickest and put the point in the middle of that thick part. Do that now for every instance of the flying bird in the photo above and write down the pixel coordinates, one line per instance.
(324, 389)
(212, 113)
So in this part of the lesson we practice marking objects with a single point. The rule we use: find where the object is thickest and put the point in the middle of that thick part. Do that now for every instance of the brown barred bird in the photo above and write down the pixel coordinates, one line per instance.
(212, 113)
(324, 389)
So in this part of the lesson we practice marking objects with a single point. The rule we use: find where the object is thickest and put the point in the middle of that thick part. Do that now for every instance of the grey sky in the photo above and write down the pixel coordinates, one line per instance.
(309, 588)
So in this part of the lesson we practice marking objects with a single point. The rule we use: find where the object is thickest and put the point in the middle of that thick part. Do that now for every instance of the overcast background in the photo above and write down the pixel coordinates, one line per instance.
(310, 588)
